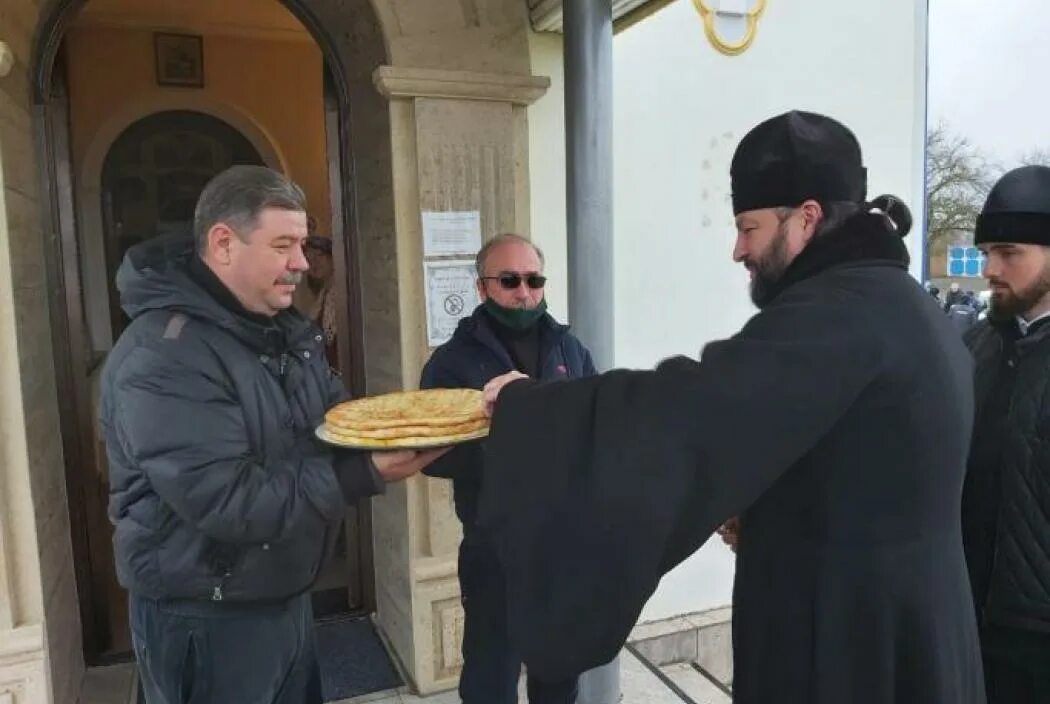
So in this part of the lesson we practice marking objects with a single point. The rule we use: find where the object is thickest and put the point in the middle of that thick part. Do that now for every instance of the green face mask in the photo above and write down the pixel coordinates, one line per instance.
(516, 318)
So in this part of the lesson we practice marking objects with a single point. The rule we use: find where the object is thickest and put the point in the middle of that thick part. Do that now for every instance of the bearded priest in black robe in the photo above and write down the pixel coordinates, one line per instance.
(835, 424)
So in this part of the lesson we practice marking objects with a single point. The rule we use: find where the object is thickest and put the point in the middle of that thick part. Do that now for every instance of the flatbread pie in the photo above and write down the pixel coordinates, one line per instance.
(407, 419)
(422, 431)
(441, 407)
(403, 443)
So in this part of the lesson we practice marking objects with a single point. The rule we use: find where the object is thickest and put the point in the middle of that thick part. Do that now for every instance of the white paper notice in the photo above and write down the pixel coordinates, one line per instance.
(451, 295)
(451, 233)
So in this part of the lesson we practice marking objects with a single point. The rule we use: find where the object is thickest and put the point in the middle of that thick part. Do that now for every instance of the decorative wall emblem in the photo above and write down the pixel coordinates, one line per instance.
(180, 59)
(720, 16)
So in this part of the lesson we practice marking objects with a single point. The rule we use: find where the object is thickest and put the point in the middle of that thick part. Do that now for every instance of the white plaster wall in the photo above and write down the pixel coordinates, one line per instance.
(680, 109)
(547, 168)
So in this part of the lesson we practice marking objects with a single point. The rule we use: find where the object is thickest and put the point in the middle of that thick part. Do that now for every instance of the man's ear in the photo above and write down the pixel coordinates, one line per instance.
(220, 237)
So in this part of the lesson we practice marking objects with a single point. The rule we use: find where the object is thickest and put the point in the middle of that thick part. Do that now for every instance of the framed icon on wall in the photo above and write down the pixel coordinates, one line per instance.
(180, 59)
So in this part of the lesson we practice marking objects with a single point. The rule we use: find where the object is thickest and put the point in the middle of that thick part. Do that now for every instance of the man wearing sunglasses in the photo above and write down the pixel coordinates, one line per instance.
(510, 331)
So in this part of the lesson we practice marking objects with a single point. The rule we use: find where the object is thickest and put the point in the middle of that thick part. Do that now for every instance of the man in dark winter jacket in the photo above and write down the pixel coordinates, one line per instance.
(223, 502)
(963, 316)
(1006, 502)
(835, 424)
(956, 296)
(510, 330)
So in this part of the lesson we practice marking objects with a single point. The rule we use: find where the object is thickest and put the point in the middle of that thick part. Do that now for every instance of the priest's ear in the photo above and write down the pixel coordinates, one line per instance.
(811, 213)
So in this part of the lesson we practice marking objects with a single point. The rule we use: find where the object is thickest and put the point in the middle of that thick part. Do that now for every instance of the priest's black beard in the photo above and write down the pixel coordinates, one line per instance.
(768, 270)
(1007, 305)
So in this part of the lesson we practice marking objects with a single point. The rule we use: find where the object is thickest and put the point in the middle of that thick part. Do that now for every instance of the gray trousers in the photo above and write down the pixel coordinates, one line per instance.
(225, 653)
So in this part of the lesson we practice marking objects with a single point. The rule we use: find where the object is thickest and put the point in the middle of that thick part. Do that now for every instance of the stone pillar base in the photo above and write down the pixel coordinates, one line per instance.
(23, 666)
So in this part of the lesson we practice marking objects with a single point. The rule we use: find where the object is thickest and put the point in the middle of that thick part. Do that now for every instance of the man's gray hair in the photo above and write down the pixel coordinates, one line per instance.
(483, 253)
(238, 195)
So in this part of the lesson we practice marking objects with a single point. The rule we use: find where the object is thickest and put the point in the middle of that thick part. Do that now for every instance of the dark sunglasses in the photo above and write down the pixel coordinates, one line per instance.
(512, 281)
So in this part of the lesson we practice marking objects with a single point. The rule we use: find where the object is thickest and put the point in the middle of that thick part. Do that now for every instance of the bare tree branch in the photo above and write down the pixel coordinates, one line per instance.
(1036, 157)
(958, 177)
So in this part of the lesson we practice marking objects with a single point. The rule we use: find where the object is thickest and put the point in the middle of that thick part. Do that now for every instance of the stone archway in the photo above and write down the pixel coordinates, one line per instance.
(74, 208)
(432, 98)
(94, 267)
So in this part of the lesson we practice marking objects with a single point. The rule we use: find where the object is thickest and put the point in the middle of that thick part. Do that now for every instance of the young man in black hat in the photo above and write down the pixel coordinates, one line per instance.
(1006, 524)
(835, 423)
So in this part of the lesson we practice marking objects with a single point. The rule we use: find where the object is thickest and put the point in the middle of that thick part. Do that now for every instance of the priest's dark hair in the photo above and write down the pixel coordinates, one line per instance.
(837, 213)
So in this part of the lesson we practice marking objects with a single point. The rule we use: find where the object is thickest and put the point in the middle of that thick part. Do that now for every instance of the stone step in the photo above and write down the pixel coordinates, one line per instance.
(639, 685)
(699, 688)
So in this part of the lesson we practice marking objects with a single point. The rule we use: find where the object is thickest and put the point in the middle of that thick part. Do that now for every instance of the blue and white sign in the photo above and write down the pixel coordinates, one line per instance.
(965, 261)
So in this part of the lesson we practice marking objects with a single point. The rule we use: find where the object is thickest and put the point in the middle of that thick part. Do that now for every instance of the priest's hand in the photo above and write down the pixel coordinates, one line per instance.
(401, 464)
(491, 391)
(730, 532)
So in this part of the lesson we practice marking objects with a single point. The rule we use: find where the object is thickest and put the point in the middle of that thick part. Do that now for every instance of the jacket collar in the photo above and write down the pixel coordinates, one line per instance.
(864, 239)
(287, 330)
(995, 337)
(1027, 328)
(478, 326)
(161, 274)
(1037, 335)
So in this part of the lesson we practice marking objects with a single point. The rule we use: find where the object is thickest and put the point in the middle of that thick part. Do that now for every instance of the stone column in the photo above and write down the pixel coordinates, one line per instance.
(23, 656)
(41, 656)
(459, 142)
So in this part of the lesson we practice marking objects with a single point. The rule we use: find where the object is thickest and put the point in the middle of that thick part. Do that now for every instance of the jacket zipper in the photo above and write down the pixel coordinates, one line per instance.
(227, 572)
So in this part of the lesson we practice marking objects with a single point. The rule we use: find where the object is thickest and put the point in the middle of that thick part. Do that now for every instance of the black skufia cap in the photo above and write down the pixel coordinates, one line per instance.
(1017, 209)
(796, 157)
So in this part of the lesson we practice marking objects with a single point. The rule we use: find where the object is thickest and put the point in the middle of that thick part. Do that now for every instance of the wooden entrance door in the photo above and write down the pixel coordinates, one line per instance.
(102, 603)
(152, 177)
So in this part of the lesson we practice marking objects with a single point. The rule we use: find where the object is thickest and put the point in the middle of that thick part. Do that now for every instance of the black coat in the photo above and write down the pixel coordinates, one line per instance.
(218, 488)
(1006, 520)
(469, 360)
(836, 423)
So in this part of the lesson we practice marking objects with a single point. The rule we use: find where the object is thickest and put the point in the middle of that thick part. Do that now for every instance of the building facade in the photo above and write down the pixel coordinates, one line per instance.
(113, 113)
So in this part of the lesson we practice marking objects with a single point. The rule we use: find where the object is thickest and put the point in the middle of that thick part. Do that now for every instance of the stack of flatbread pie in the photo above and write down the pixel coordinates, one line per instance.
(407, 419)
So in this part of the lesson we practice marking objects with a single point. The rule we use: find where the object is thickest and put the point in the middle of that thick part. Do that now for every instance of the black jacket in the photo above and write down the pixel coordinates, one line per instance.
(963, 317)
(836, 422)
(1006, 518)
(218, 488)
(470, 360)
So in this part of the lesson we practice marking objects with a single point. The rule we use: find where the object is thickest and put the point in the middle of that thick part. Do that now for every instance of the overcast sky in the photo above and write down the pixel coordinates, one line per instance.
(990, 73)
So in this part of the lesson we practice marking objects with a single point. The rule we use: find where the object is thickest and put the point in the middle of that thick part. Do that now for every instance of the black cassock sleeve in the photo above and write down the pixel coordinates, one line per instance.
(595, 488)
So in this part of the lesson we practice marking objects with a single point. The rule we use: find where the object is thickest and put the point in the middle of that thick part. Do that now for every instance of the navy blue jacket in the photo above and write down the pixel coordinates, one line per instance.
(471, 359)
(218, 488)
